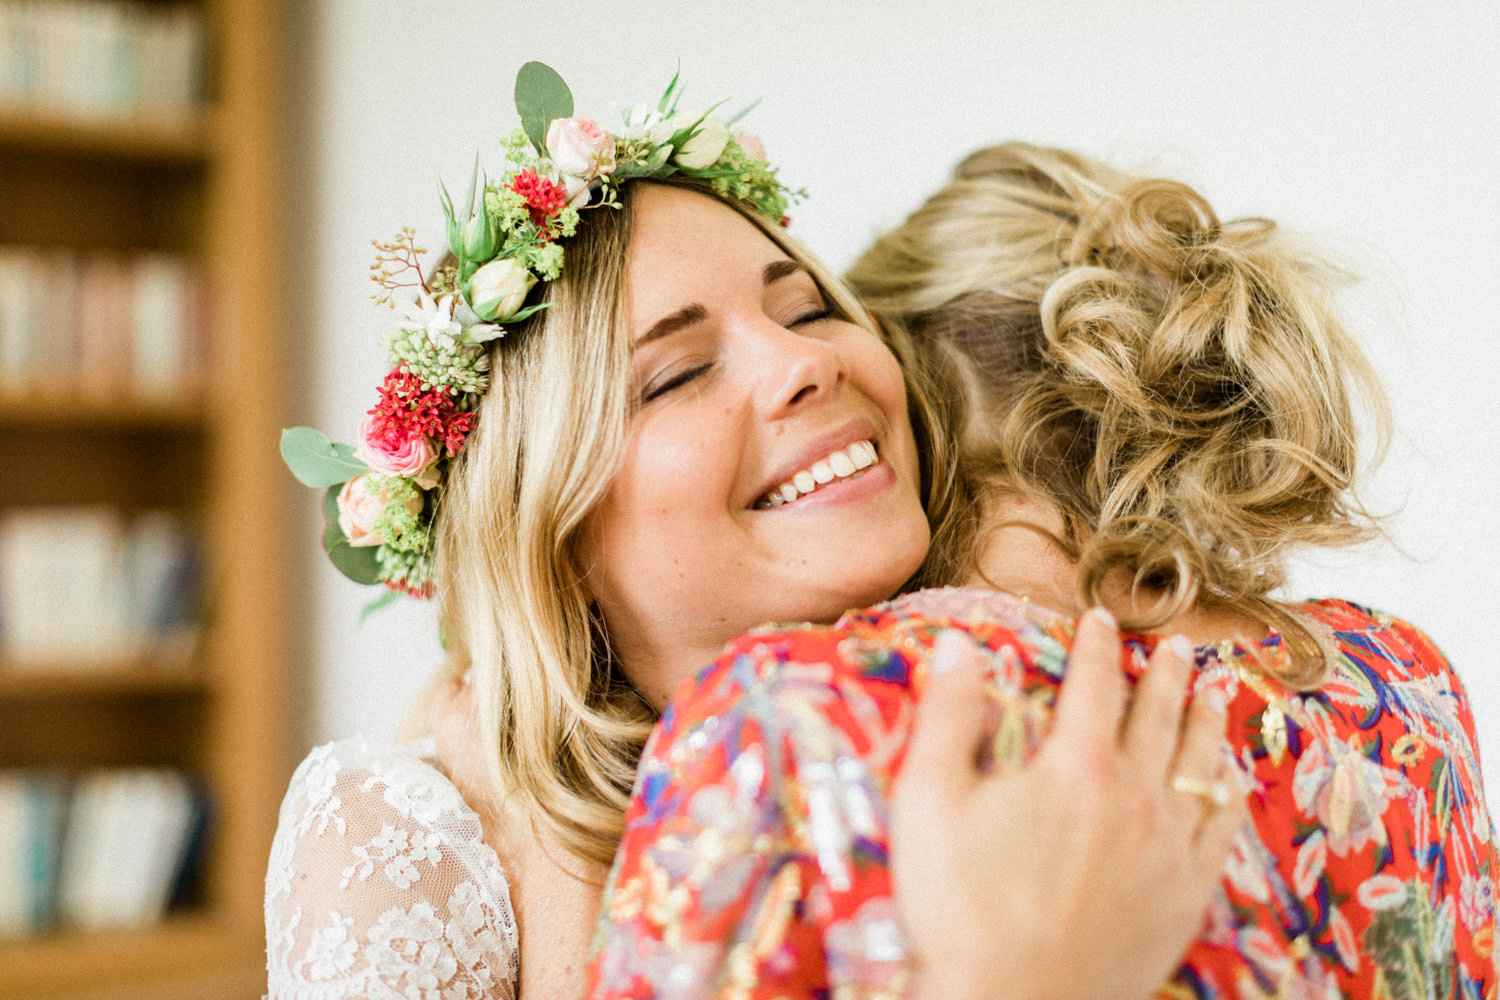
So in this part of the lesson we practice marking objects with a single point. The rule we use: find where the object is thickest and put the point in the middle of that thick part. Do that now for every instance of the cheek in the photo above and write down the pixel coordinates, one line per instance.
(670, 489)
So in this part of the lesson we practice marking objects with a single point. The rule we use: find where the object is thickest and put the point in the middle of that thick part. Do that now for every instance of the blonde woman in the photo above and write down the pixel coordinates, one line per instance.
(1160, 407)
(602, 480)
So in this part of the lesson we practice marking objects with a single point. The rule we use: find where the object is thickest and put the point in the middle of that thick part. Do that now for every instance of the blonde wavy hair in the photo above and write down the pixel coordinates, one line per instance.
(1181, 390)
(563, 727)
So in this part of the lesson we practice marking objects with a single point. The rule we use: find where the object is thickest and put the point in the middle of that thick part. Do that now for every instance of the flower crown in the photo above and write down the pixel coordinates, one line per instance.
(504, 239)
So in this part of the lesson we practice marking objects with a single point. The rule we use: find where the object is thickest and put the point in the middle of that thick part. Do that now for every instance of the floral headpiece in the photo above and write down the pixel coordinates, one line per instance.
(504, 238)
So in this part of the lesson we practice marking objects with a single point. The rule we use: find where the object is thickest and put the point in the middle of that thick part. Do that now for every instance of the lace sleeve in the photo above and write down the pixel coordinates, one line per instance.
(379, 885)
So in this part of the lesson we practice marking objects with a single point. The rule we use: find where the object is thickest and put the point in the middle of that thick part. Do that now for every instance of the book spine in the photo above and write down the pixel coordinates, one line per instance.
(101, 59)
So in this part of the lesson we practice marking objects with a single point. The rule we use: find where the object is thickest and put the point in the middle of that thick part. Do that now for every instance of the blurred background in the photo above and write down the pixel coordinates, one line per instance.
(221, 194)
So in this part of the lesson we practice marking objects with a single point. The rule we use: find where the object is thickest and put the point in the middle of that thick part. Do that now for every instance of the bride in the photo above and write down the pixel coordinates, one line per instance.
(622, 339)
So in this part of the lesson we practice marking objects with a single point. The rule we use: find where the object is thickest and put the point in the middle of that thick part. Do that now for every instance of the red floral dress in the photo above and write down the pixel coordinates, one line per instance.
(754, 860)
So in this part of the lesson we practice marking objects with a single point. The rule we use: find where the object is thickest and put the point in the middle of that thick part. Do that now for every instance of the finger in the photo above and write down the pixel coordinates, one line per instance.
(1155, 716)
(1092, 699)
(949, 722)
(1200, 751)
(1217, 833)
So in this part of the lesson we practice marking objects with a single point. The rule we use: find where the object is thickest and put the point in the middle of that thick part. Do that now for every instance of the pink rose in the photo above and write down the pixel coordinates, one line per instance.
(361, 502)
(396, 453)
(752, 145)
(579, 147)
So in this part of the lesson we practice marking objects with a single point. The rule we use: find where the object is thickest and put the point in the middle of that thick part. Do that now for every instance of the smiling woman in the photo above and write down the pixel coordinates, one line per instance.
(684, 428)
(749, 383)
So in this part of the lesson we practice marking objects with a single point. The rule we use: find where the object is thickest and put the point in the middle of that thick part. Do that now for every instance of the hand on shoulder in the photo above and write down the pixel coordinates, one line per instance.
(1087, 871)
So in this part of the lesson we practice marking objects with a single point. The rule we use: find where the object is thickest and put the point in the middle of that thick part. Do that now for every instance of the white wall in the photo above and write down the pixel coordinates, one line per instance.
(1371, 125)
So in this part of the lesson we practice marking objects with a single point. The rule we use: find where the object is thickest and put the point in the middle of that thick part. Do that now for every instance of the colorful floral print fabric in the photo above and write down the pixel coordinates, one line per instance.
(754, 859)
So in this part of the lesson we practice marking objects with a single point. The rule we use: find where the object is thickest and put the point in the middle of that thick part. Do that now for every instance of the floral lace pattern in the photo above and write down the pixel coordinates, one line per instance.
(379, 885)
(754, 858)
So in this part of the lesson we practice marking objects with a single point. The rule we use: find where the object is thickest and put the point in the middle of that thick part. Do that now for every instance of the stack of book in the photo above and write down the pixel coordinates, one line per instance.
(101, 59)
(88, 586)
(104, 850)
(101, 326)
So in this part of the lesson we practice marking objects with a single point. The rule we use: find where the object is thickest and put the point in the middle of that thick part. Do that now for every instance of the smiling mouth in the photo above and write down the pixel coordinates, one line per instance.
(842, 464)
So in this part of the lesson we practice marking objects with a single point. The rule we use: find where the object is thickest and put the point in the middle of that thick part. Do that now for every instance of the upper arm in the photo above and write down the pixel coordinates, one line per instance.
(378, 880)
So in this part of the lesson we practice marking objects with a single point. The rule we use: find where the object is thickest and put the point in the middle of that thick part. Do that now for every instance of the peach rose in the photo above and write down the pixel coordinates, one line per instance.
(579, 147)
(361, 502)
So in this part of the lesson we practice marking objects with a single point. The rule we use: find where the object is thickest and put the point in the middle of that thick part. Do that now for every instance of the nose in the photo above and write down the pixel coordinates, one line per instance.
(795, 370)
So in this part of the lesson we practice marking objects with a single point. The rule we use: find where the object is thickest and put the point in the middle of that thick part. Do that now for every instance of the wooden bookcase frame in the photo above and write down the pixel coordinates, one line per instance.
(209, 186)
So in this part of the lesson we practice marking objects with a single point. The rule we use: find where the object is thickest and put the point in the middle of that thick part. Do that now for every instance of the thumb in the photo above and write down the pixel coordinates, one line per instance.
(940, 759)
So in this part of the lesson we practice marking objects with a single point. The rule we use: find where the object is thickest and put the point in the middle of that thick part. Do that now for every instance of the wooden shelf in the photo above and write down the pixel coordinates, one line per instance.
(96, 680)
(82, 963)
(147, 140)
(63, 407)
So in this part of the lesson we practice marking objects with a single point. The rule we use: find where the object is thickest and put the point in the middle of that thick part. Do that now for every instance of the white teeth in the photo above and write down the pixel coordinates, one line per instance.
(839, 465)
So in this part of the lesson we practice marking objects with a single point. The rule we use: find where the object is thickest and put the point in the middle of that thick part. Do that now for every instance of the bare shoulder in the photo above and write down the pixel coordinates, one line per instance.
(556, 897)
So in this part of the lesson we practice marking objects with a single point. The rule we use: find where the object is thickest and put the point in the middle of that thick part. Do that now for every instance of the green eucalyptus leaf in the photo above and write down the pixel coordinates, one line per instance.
(360, 563)
(316, 461)
(385, 600)
(541, 97)
(333, 532)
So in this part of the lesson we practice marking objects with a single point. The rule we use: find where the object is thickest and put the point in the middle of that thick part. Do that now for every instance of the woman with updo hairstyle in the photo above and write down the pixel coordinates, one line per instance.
(1158, 407)
(1178, 392)
(626, 420)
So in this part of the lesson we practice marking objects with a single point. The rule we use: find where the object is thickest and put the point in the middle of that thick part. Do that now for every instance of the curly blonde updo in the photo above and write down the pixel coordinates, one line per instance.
(1179, 389)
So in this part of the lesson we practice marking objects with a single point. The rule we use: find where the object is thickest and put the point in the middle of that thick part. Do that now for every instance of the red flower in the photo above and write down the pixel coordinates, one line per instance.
(408, 411)
(422, 593)
(544, 199)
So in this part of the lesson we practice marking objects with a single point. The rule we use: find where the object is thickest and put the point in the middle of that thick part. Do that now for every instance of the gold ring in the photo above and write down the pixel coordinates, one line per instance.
(1213, 793)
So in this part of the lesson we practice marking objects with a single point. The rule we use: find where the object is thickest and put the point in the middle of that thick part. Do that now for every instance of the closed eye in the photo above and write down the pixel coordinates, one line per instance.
(675, 381)
(814, 316)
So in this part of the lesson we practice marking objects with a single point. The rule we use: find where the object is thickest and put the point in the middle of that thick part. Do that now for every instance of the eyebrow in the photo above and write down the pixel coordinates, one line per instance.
(697, 313)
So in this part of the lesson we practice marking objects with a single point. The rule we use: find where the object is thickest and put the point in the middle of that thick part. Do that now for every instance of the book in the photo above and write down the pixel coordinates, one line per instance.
(98, 59)
(130, 835)
(31, 809)
(87, 586)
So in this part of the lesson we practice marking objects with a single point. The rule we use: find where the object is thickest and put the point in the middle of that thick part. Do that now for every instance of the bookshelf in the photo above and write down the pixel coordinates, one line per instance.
(199, 184)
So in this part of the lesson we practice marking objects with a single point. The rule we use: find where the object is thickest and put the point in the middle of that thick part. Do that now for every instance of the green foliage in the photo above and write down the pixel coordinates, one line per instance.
(316, 461)
(360, 564)
(541, 97)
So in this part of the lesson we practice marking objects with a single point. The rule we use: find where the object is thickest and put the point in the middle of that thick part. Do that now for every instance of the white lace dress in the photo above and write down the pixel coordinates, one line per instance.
(379, 885)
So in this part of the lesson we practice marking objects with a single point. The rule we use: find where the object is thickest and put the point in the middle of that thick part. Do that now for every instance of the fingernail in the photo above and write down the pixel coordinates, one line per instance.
(949, 652)
(1182, 647)
(1101, 614)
